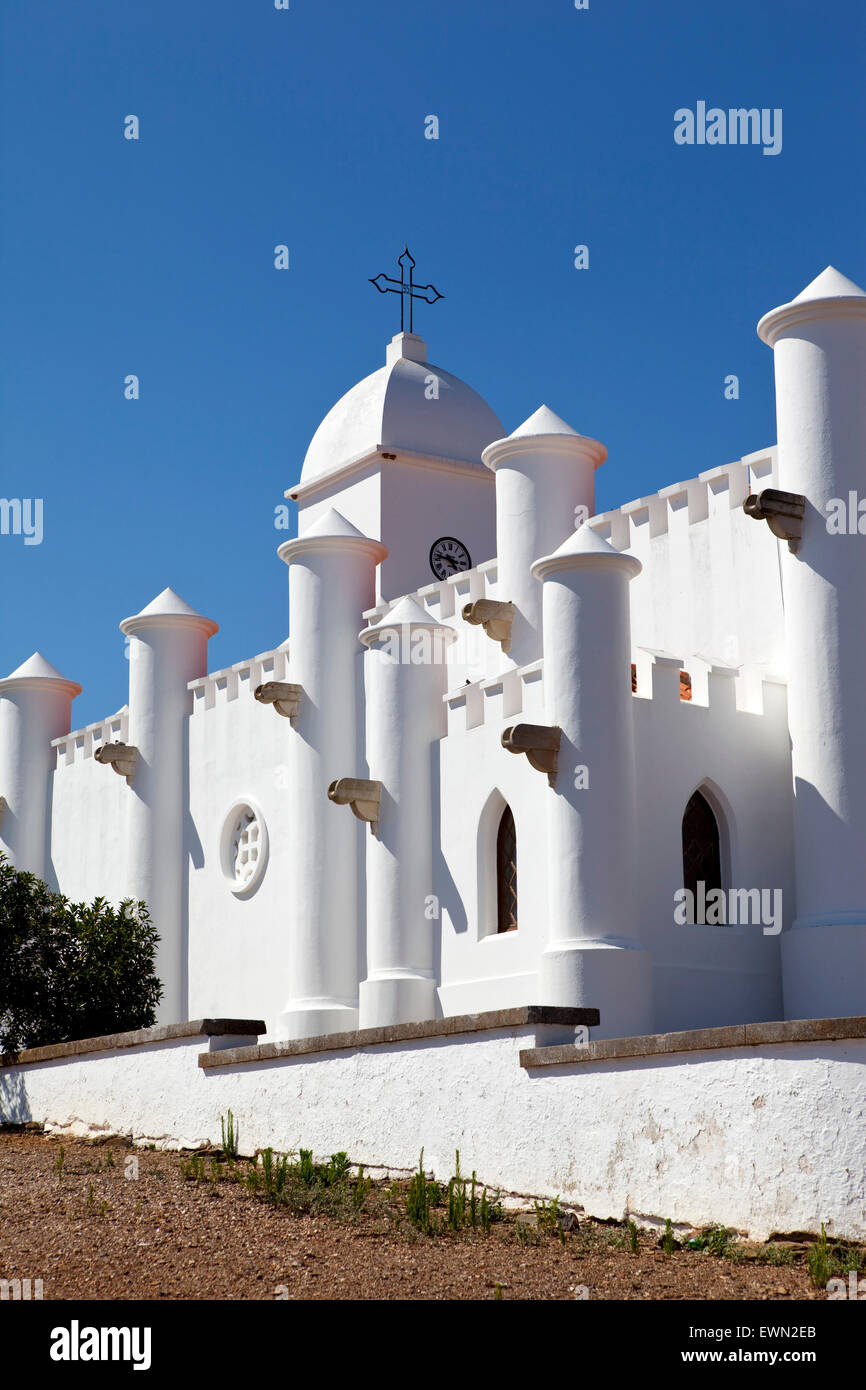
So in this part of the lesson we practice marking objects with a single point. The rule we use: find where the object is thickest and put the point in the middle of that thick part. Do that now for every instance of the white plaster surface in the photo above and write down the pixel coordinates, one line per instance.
(761, 1139)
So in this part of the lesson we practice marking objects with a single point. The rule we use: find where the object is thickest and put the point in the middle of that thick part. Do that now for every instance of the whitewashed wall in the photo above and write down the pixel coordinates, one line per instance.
(705, 976)
(716, 1135)
(238, 959)
(88, 804)
(710, 584)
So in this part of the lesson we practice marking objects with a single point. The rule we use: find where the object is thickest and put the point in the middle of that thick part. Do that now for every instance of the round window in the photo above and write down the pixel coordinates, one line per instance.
(243, 846)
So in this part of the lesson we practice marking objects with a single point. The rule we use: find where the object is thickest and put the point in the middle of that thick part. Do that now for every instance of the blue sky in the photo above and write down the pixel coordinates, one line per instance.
(306, 127)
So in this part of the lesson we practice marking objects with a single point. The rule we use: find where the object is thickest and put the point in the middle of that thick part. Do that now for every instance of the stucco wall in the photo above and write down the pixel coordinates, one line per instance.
(762, 1139)
(237, 943)
(88, 805)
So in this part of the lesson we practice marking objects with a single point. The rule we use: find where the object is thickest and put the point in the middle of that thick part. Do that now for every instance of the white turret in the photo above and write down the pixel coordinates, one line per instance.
(405, 669)
(592, 958)
(819, 343)
(544, 471)
(333, 580)
(35, 705)
(167, 649)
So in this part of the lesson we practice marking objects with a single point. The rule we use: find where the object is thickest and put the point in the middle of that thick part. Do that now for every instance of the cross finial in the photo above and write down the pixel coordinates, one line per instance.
(406, 288)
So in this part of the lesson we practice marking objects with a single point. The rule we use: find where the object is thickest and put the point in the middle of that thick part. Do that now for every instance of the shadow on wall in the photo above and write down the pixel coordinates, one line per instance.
(833, 843)
(50, 875)
(447, 892)
(14, 1102)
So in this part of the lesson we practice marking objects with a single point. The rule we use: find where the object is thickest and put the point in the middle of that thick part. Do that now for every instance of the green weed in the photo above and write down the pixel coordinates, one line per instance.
(229, 1135)
(668, 1243)
(418, 1199)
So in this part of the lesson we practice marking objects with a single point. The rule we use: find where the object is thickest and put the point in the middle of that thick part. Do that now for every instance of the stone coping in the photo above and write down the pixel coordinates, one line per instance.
(525, 1016)
(698, 1040)
(165, 1032)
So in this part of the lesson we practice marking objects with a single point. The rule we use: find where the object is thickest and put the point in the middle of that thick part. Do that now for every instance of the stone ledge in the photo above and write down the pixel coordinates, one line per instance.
(195, 1028)
(526, 1016)
(698, 1040)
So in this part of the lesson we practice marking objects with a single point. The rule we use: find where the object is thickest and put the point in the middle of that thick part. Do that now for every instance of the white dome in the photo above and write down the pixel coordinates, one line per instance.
(390, 409)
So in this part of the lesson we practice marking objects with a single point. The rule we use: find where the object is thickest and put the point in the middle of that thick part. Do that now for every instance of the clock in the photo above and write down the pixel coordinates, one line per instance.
(448, 556)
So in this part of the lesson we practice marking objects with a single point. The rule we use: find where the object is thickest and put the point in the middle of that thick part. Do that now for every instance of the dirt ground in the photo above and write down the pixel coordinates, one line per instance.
(105, 1220)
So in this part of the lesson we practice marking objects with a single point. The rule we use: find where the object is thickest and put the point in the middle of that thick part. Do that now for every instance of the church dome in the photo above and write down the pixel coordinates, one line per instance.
(393, 409)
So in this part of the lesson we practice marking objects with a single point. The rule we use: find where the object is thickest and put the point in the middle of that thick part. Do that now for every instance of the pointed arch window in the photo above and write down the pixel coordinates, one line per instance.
(506, 874)
(702, 855)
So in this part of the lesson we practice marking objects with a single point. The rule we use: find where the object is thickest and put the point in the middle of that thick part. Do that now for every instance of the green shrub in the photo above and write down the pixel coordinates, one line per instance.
(71, 970)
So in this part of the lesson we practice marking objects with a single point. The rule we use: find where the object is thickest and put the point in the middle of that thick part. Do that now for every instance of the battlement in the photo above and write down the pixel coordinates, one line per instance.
(221, 687)
(445, 598)
(657, 678)
(711, 493)
(718, 490)
(79, 744)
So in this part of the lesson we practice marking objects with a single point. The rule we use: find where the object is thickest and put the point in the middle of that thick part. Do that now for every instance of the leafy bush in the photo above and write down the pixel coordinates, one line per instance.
(69, 970)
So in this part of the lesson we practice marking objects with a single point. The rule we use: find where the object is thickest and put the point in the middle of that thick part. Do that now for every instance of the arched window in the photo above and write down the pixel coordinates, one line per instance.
(506, 874)
(702, 858)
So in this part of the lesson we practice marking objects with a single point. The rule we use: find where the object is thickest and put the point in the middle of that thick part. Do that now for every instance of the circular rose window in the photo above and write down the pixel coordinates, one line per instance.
(243, 846)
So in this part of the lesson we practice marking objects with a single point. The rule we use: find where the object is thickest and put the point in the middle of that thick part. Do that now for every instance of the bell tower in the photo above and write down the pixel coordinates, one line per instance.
(399, 456)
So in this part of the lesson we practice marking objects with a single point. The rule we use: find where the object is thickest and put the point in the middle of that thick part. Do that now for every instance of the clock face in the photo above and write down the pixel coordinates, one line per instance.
(448, 556)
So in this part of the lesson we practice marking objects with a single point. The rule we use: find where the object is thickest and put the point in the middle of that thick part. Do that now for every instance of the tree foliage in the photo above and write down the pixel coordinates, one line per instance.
(71, 970)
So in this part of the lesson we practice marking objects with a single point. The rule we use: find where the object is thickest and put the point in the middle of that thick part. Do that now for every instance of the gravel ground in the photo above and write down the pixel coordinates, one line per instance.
(90, 1231)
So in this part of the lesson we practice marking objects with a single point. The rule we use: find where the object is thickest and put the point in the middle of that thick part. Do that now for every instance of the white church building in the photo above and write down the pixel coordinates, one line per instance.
(543, 836)
(505, 730)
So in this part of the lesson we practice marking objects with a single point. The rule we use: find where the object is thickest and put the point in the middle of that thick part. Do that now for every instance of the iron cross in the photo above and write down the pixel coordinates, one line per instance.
(406, 288)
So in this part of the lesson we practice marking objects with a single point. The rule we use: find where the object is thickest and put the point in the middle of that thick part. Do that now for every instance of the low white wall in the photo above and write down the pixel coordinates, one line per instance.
(759, 1138)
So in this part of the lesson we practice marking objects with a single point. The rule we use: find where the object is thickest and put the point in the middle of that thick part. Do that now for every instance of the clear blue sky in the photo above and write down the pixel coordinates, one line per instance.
(306, 127)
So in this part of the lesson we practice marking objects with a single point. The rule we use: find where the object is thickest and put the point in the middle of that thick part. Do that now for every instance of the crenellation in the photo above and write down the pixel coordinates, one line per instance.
(80, 744)
(648, 518)
(687, 502)
(721, 488)
(727, 486)
(239, 680)
(763, 468)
